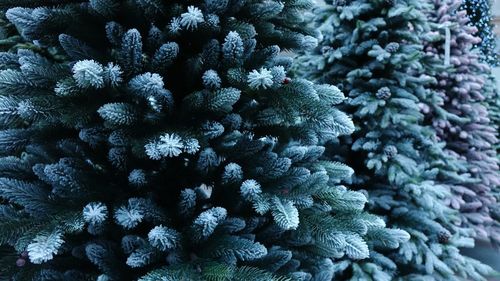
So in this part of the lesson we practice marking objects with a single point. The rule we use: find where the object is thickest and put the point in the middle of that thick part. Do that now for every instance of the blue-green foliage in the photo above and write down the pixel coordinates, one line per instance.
(463, 93)
(146, 140)
(373, 51)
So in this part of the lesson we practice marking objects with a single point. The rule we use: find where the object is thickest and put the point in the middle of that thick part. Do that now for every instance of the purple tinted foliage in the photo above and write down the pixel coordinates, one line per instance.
(461, 119)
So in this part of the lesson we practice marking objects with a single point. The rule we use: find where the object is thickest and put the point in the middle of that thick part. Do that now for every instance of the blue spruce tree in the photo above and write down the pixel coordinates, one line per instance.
(459, 113)
(373, 51)
(153, 140)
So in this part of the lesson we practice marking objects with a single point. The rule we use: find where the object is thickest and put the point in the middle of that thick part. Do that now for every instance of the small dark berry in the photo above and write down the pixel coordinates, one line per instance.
(20, 262)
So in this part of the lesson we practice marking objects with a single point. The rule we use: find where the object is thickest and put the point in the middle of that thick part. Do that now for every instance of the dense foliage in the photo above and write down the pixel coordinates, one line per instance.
(178, 140)
(373, 51)
(150, 140)
(461, 119)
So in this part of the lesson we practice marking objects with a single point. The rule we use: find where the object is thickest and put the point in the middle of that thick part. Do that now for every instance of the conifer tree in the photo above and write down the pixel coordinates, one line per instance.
(492, 104)
(154, 140)
(459, 113)
(373, 51)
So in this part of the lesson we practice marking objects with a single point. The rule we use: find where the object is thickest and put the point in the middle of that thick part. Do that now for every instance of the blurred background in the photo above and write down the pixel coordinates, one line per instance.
(484, 251)
(496, 21)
